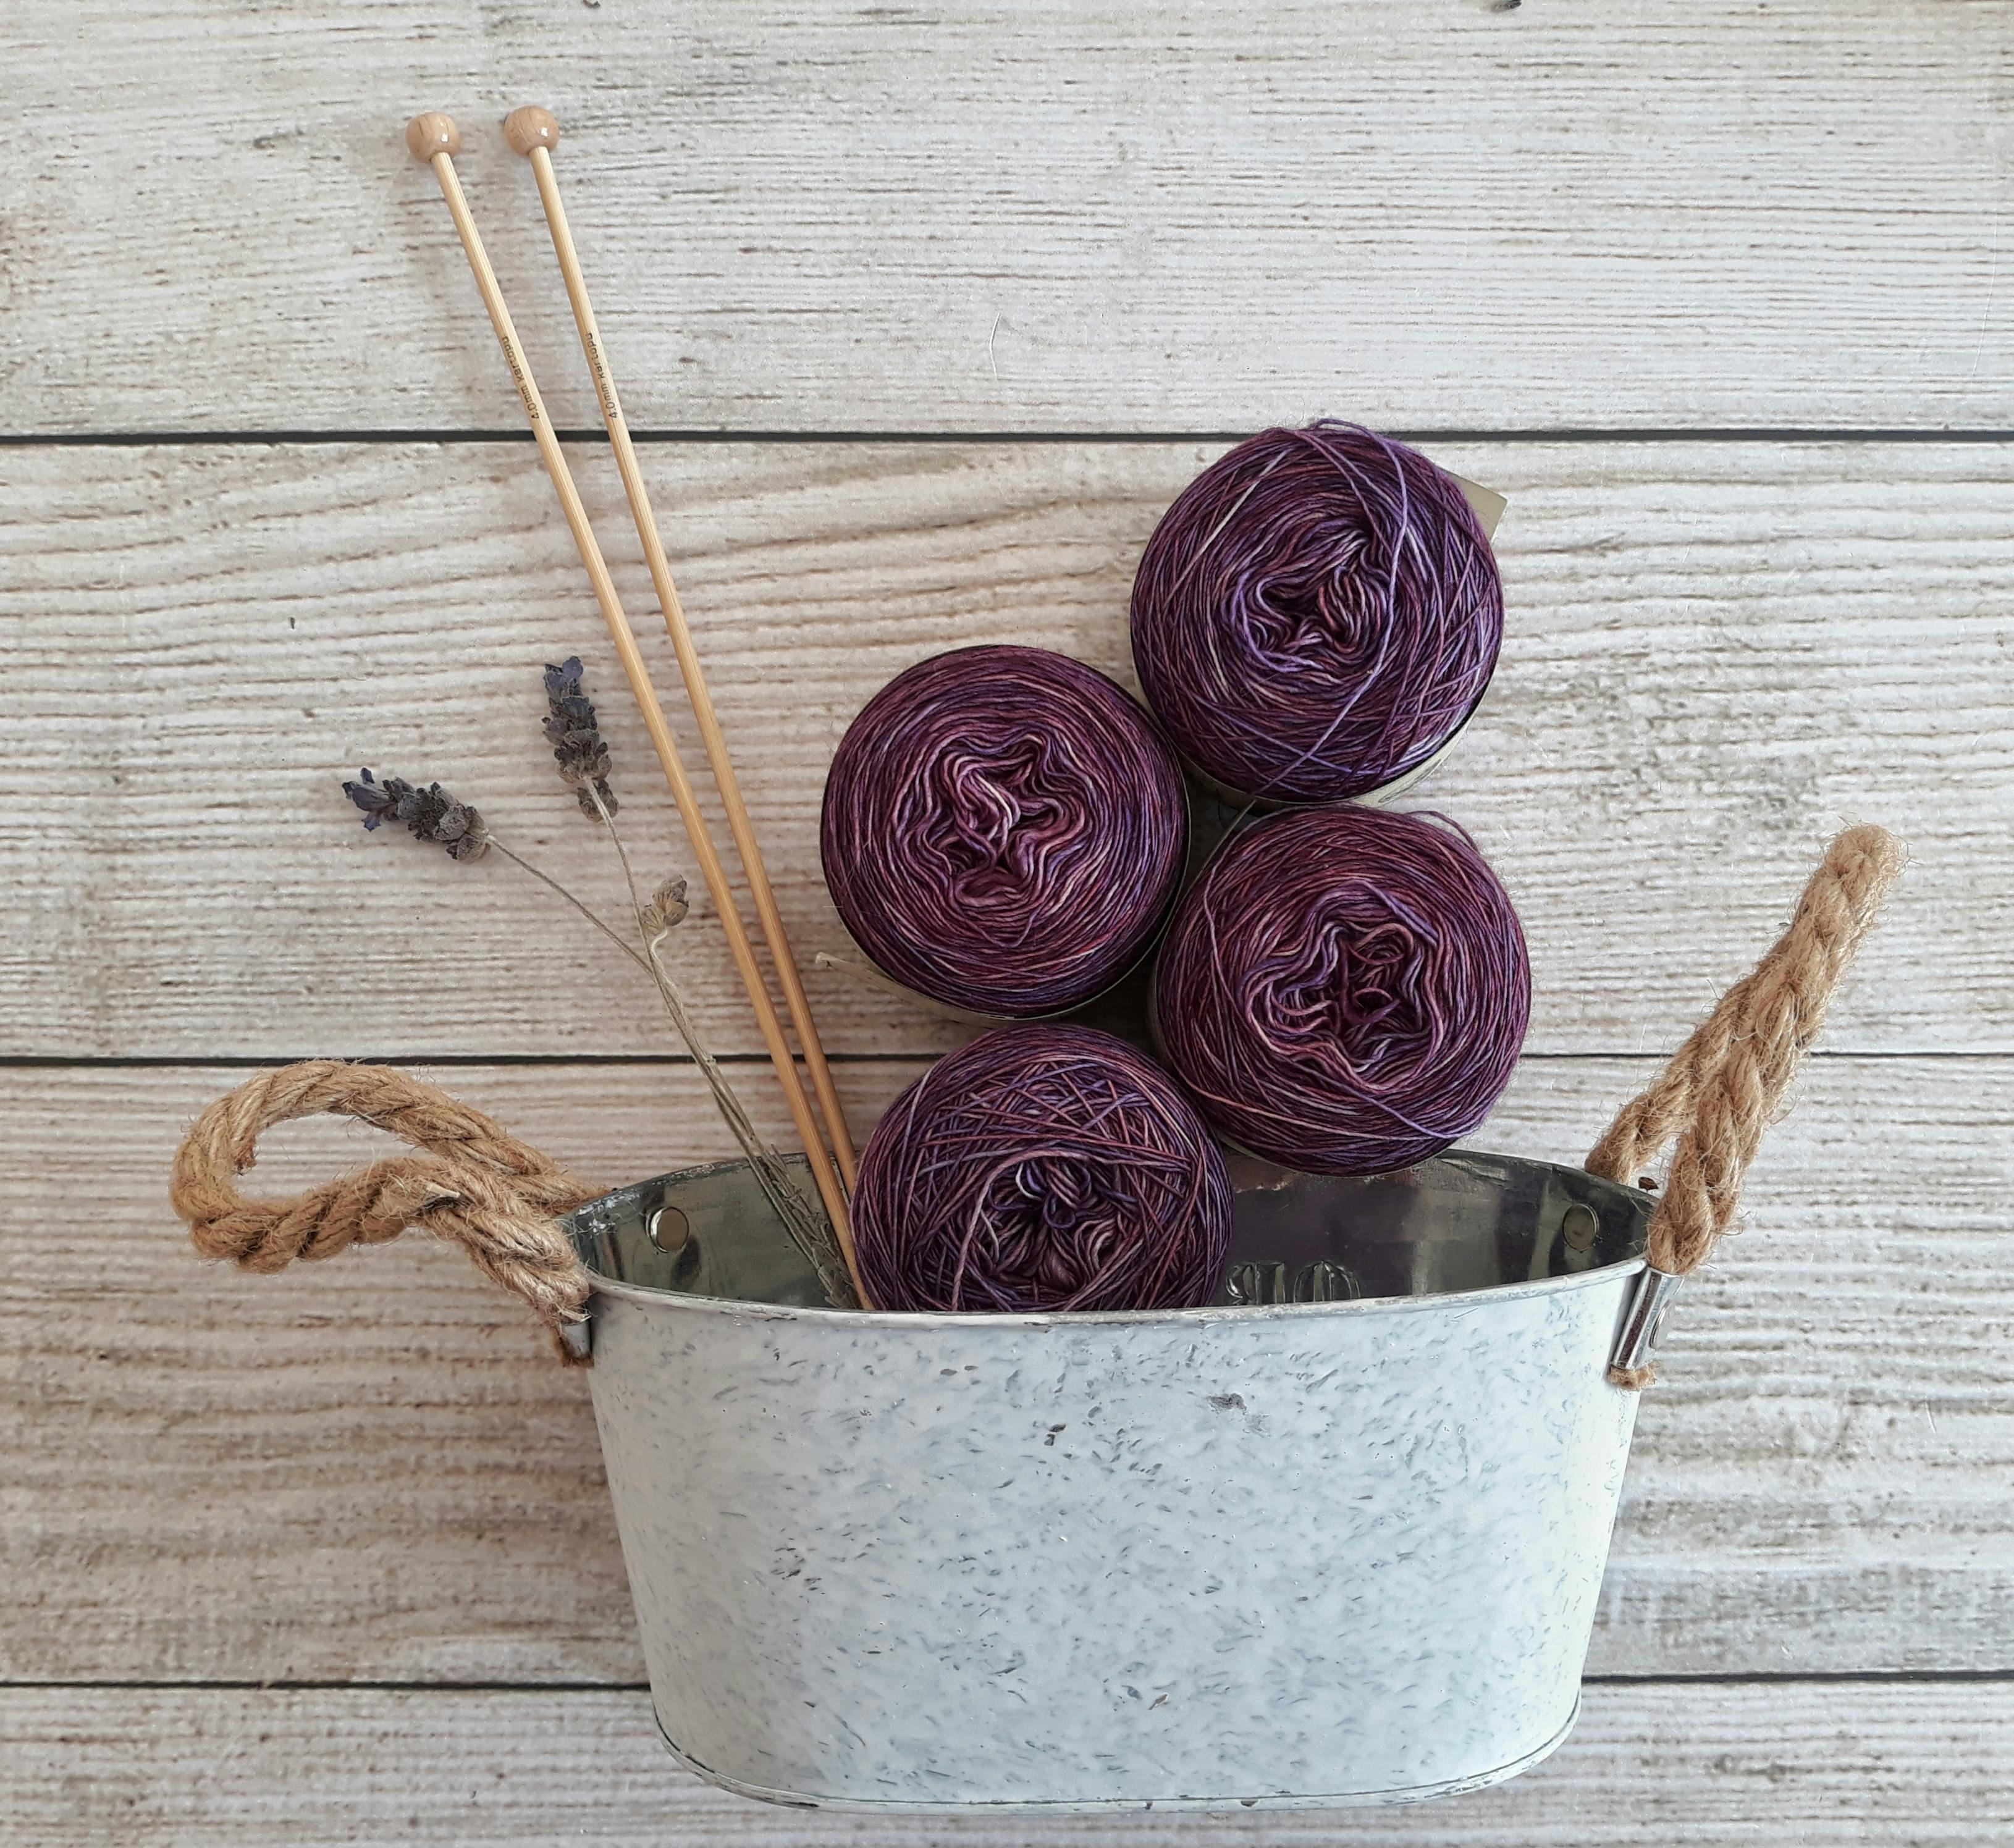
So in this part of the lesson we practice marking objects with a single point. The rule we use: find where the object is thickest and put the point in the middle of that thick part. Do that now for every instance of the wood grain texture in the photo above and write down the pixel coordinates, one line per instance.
(369, 1469)
(1590, 216)
(1084, 217)
(1717, 655)
(1794, 1765)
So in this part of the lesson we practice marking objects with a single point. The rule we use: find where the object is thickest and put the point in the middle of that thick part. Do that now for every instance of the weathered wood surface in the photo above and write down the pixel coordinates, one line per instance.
(1787, 1765)
(1718, 654)
(975, 218)
(369, 1469)
(1717, 220)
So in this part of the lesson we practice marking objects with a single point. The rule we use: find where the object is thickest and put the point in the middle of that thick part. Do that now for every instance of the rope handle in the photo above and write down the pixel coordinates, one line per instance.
(497, 1198)
(1725, 1086)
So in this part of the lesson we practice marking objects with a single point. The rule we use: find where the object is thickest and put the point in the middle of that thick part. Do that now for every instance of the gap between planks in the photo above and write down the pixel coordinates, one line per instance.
(1846, 1678)
(60, 1062)
(1752, 433)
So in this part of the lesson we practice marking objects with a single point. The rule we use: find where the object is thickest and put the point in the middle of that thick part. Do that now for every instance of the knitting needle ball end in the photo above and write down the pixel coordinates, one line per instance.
(530, 127)
(431, 133)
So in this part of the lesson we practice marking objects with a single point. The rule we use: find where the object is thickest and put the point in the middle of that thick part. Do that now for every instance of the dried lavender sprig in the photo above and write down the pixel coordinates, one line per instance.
(667, 907)
(431, 814)
(803, 1217)
(574, 733)
(465, 834)
(437, 818)
(805, 1221)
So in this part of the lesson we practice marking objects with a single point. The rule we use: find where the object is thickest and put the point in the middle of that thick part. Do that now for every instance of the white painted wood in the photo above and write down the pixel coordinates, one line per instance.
(369, 1469)
(1718, 655)
(1790, 1765)
(1090, 218)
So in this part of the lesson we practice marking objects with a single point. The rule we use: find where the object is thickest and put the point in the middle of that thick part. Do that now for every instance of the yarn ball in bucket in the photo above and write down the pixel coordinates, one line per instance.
(1004, 830)
(1345, 990)
(1043, 1166)
(1316, 614)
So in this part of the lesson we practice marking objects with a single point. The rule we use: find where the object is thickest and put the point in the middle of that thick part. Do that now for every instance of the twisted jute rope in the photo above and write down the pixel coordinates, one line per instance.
(496, 1197)
(1726, 1085)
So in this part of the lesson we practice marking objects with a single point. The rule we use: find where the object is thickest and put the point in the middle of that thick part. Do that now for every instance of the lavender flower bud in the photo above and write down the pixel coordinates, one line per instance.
(431, 813)
(574, 734)
(668, 906)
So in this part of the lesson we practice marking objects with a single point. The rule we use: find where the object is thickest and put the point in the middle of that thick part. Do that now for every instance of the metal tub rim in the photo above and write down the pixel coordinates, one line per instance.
(893, 1321)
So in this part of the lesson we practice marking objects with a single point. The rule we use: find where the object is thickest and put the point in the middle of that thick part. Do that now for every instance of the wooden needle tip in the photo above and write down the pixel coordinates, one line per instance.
(432, 133)
(530, 127)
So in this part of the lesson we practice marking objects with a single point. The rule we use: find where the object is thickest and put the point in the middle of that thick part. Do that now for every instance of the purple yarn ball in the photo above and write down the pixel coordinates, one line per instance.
(1317, 614)
(1004, 830)
(1345, 990)
(1042, 1167)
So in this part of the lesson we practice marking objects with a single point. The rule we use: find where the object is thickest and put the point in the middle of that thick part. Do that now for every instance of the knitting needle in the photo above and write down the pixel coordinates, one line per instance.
(433, 139)
(533, 131)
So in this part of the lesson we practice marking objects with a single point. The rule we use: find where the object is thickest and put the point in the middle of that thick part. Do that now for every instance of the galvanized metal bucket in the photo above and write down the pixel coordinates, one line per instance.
(1336, 1540)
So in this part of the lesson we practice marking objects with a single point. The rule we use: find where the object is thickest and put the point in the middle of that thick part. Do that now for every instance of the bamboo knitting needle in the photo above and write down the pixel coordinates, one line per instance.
(433, 139)
(534, 132)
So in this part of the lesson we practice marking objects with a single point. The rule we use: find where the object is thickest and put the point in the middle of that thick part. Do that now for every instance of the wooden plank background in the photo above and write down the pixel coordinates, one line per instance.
(926, 315)
(1055, 216)
(1731, 1764)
